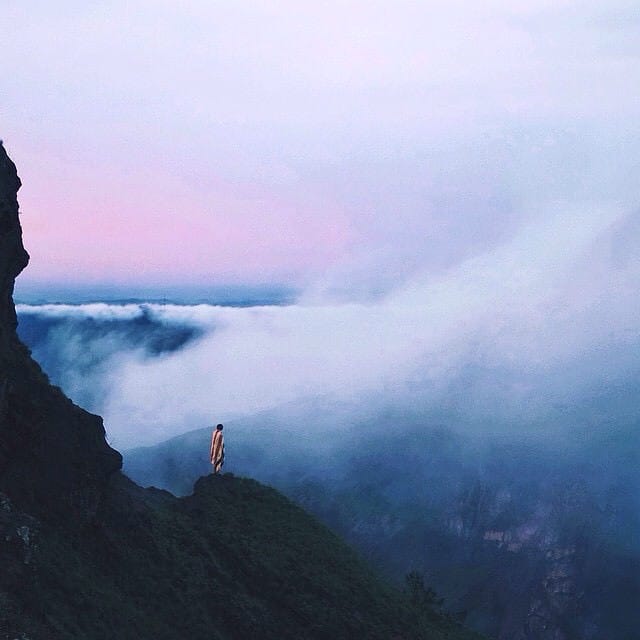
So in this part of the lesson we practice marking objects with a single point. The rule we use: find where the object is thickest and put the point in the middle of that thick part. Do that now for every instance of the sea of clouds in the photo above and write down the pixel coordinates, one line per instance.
(513, 337)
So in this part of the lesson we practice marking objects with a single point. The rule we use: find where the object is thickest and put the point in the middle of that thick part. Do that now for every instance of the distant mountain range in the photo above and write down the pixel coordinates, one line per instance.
(230, 296)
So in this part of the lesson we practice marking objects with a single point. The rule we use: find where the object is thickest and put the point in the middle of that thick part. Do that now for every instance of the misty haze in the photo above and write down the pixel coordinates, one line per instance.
(491, 409)
(393, 247)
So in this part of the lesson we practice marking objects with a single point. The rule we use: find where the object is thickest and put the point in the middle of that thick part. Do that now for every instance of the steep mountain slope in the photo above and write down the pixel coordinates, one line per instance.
(86, 553)
(533, 541)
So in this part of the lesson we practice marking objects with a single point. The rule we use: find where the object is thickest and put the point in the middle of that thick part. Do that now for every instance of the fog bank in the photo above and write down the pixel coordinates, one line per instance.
(507, 338)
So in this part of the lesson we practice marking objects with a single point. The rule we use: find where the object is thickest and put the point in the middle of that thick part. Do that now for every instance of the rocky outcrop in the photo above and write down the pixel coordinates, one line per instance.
(54, 460)
(13, 257)
(524, 542)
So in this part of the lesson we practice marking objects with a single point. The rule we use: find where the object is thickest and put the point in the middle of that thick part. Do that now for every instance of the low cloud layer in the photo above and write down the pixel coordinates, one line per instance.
(533, 328)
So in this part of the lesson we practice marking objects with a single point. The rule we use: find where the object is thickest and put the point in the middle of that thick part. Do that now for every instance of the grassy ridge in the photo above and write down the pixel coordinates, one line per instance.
(235, 560)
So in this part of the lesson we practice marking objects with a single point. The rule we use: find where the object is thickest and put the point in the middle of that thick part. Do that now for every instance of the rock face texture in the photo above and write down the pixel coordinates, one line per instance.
(53, 455)
(13, 257)
(86, 553)
(531, 544)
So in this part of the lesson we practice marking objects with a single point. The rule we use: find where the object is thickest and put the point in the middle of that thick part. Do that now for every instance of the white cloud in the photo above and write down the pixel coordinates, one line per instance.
(538, 321)
(440, 132)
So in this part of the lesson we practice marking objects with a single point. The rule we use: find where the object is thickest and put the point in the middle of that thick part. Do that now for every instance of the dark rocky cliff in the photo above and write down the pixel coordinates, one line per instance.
(13, 257)
(86, 553)
(53, 454)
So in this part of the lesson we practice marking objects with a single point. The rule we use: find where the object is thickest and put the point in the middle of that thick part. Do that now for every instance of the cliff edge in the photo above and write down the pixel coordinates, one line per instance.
(86, 553)
(54, 459)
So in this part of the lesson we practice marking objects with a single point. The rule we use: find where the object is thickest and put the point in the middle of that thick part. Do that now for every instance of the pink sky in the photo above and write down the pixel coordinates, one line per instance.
(109, 222)
(258, 142)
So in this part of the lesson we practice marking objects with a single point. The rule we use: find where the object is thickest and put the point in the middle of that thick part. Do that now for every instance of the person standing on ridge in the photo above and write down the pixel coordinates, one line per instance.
(217, 449)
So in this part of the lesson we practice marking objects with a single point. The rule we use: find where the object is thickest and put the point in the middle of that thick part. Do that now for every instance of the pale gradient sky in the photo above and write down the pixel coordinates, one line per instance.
(345, 144)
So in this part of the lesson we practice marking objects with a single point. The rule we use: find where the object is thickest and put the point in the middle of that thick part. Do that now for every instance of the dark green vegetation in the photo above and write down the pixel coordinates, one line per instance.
(530, 541)
(86, 554)
(234, 560)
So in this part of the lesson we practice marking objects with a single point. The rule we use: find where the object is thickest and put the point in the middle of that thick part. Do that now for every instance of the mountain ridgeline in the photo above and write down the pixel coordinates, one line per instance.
(87, 554)
(533, 541)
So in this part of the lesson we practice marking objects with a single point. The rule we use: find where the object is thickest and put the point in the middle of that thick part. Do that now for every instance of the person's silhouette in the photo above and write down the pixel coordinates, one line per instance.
(217, 449)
